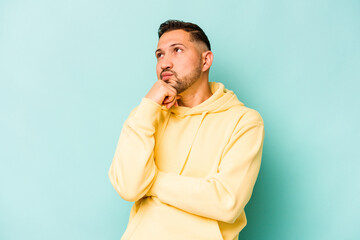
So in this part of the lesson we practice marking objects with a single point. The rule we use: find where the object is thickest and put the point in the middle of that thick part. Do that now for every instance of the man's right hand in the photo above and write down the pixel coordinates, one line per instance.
(163, 94)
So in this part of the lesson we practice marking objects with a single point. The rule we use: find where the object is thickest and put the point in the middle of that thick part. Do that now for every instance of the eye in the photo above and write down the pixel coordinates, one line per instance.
(178, 50)
(158, 55)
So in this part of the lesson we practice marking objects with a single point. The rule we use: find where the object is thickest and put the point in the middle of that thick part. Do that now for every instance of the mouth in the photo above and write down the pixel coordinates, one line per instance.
(166, 76)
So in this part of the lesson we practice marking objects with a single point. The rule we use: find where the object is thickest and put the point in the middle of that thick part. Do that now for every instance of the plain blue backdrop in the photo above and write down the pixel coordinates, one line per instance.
(71, 71)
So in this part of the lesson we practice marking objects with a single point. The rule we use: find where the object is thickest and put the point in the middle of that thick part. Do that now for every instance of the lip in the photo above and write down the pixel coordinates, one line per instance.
(166, 76)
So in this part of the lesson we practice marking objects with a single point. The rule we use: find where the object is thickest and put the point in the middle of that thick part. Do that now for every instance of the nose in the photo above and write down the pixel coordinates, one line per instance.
(166, 62)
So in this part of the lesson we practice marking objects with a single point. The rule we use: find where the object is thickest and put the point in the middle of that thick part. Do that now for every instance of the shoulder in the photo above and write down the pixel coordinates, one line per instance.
(251, 116)
(132, 113)
(246, 115)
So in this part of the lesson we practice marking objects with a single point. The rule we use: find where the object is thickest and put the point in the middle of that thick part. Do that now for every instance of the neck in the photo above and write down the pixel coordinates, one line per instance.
(196, 94)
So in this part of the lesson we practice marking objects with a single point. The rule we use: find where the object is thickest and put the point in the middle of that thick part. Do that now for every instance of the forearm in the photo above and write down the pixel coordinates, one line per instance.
(204, 197)
(223, 195)
(133, 169)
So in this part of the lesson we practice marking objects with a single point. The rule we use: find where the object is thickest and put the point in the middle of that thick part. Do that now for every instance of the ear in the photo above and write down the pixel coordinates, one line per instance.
(207, 59)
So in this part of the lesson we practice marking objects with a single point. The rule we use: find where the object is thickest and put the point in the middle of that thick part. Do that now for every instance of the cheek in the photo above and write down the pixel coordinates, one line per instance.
(184, 65)
(191, 62)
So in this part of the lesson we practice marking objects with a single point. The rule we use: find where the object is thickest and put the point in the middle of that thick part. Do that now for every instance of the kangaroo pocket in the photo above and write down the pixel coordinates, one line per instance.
(156, 220)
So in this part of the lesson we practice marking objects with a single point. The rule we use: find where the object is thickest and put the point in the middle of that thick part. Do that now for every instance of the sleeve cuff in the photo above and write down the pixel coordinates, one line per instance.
(147, 111)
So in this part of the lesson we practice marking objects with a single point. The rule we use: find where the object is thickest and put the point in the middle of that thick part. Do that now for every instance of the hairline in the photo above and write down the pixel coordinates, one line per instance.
(201, 45)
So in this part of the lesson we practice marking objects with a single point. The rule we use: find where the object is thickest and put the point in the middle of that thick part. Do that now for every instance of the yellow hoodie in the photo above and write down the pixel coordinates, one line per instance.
(190, 171)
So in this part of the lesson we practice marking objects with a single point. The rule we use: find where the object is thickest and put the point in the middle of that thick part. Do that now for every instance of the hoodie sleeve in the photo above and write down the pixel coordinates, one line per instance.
(223, 195)
(133, 169)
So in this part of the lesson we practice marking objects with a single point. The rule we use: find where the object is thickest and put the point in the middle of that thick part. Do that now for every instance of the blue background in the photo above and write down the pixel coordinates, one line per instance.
(71, 71)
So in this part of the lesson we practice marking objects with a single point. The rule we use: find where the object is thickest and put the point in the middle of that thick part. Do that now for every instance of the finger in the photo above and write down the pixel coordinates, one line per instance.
(171, 88)
(172, 103)
(166, 100)
(169, 105)
(169, 99)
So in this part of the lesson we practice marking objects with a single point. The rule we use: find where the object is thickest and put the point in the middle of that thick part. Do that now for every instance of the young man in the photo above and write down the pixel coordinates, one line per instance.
(190, 153)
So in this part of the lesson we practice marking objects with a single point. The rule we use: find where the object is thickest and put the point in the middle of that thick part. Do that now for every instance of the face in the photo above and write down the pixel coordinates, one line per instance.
(179, 60)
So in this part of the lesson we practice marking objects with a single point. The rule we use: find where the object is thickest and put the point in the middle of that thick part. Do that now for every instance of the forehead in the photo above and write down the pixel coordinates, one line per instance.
(174, 36)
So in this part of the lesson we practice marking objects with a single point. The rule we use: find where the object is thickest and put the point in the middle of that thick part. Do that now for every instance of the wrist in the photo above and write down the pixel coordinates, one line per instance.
(154, 99)
(147, 113)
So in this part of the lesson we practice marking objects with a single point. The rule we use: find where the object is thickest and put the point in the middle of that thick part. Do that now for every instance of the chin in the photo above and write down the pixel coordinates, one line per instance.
(172, 82)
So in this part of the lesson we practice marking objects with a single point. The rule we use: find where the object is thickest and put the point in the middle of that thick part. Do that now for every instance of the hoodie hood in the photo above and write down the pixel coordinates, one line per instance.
(221, 100)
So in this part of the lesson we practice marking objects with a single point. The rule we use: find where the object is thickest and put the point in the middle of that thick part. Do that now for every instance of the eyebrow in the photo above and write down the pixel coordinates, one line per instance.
(174, 44)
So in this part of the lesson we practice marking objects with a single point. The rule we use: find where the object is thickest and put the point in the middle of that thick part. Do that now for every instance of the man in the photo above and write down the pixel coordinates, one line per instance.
(190, 153)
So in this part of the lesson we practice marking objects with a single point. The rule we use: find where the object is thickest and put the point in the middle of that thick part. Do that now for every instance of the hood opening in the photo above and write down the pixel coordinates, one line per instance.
(221, 100)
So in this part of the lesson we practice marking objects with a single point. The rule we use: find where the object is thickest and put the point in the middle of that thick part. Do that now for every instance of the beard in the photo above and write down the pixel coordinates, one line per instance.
(183, 83)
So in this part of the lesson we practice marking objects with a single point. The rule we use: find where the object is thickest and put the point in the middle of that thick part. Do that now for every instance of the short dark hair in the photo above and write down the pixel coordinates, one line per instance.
(197, 34)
